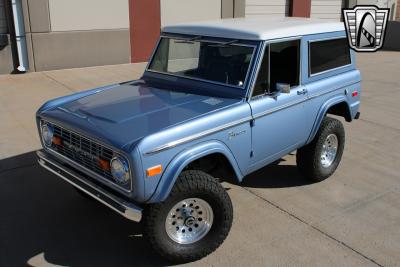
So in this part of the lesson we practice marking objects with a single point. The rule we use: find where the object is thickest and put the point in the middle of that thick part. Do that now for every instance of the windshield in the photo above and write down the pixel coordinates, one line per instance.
(226, 63)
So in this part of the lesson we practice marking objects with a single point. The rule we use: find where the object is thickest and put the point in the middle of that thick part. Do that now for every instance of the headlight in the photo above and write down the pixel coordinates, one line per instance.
(47, 134)
(120, 170)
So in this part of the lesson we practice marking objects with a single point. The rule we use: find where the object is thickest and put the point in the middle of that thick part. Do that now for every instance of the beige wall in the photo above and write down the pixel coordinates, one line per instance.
(38, 17)
(3, 25)
(80, 15)
(227, 8)
(74, 49)
(326, 9)
(262, 8)
(176, 11)
(398, 10)
(6, 61)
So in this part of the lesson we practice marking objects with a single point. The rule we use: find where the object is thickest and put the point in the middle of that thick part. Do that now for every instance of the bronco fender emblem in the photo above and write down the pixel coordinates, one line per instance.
(233, 134)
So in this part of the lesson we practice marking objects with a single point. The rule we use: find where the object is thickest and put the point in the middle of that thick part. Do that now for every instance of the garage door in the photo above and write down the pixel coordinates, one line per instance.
(3, 25)
(326, 9)
(262, 8)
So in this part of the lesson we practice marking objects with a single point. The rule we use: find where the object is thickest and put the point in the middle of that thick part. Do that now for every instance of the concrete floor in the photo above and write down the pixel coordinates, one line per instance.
(351, 219)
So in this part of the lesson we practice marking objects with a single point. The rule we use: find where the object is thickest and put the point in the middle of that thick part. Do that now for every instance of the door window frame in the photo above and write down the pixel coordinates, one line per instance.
(328, 70)
(266, 46)
(322, 75)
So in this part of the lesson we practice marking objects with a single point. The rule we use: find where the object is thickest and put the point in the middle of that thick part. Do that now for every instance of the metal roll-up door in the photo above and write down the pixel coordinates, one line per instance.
(262, 8)
(3, 22)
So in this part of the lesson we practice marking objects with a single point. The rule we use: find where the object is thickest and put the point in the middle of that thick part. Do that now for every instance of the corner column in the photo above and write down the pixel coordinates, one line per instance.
(300, 8)
(144, 26)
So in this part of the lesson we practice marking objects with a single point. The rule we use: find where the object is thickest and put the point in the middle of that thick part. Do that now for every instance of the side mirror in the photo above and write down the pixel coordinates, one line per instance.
(283, 88)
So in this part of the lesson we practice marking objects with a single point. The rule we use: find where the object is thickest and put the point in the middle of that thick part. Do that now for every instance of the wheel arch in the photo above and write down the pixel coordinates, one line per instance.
(336, 106)
(341, 109)
(187, 157)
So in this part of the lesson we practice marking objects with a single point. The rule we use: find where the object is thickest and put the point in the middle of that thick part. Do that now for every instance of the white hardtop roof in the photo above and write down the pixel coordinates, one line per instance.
(256, 28)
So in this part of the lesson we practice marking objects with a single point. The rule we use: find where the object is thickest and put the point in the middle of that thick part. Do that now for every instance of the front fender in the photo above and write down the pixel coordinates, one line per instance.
(322, 112)
(180, 161)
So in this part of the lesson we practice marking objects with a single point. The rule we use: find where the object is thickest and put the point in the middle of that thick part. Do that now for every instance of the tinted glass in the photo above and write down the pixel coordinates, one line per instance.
(280, 64)
(285, 63)
(329, 54)
(224, 63)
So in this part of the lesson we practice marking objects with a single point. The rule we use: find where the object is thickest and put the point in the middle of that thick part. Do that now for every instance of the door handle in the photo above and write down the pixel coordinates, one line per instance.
(302, 92)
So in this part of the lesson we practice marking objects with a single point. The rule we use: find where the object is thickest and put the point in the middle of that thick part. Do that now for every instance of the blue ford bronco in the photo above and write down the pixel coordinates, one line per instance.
(218, 100)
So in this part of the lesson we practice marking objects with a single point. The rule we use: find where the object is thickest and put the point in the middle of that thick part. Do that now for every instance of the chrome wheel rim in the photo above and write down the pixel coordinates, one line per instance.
(189, 220)
(329, 150)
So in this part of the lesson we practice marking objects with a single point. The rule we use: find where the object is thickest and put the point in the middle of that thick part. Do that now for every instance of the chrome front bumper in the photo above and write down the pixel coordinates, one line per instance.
(123, 207)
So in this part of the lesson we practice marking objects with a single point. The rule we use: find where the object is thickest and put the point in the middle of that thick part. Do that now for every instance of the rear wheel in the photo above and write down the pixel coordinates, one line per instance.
(193, 221)
(319, 159)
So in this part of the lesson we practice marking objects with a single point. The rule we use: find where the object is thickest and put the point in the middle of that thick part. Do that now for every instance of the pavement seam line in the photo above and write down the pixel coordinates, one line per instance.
(380, 125)
(365, 201)
(312, 226)
(60, 83)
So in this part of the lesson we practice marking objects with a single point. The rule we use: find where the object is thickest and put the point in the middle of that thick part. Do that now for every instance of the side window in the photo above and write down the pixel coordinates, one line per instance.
(285, 63)
(328, 54)
(280, 64)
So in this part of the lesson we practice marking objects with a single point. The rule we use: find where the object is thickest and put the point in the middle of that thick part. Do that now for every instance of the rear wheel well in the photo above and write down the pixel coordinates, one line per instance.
(217, 165)
(340, 109)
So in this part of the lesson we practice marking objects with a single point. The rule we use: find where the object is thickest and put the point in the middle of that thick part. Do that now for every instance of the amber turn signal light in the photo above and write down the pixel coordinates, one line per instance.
(57, 140)
(154, 170)
(104, 164)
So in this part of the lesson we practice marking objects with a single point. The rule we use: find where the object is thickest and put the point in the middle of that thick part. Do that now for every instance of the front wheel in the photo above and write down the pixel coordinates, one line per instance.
(193, 221)
(319, 159)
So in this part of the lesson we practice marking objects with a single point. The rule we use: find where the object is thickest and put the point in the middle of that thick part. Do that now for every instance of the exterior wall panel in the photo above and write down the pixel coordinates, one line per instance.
(6, 61)
(176, 11)
(60, 50)
(326, 9)
(262, 8)
(227, 9)
(398, 10)
(39, 15)
(239, 8)
(78, 15)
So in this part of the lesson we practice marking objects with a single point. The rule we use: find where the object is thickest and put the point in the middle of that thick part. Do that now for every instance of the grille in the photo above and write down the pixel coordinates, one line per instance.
(83, 151)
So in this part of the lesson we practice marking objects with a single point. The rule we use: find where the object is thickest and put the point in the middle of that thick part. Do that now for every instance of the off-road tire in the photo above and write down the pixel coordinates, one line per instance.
(308, 158)
(190, 184)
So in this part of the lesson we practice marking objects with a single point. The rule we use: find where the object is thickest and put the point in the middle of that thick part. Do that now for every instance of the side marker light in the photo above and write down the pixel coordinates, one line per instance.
(154, 170)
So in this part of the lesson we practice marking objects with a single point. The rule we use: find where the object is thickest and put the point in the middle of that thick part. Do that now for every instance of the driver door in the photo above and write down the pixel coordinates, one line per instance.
(277, 104)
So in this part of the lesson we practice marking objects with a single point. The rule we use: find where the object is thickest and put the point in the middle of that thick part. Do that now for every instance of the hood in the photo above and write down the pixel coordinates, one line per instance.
(126, 113)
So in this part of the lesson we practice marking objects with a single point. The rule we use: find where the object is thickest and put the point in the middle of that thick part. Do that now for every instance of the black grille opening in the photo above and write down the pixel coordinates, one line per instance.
(83, 151)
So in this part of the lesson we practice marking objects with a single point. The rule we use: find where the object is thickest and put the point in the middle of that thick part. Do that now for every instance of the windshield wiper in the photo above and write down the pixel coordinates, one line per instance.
(224, 44)
(195, 38)
(189, 40)
(230, 42)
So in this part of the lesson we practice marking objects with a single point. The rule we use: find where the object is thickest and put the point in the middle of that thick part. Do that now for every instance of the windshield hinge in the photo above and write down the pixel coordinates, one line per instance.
(252, 123)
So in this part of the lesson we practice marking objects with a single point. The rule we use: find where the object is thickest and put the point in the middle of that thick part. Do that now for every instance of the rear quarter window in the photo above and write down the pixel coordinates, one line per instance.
(328, 54)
